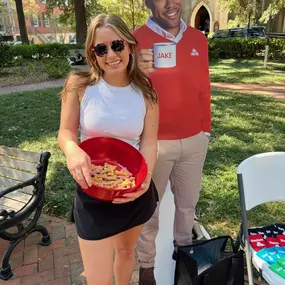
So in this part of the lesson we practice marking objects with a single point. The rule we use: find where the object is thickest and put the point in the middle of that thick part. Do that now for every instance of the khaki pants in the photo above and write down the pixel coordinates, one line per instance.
(182, 162)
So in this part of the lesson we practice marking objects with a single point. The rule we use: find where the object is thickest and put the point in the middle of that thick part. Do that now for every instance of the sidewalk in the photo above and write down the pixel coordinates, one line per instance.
(276, 91)
(34, 86)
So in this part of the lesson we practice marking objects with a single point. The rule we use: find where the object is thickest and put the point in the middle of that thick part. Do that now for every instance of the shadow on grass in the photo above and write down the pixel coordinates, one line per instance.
(235, 71)
(30, 121)
(29, 116)
(236, 77)
(243, 125)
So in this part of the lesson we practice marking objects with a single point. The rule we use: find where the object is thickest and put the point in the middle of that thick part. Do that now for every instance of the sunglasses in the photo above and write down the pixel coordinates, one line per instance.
(101, 50)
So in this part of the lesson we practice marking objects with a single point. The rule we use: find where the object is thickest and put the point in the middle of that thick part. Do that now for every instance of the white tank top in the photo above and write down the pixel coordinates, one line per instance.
(111, 111)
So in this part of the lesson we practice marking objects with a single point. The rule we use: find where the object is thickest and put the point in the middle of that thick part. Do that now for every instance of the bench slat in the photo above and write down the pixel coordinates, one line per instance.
(21, 154)
(19, 196)
(6, 202)
(2, 207)
(15, 174)
(18, 164)
(6, 183)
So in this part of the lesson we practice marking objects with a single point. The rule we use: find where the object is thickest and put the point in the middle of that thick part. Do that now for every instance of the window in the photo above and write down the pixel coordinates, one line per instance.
(35, 21)
(46, 21)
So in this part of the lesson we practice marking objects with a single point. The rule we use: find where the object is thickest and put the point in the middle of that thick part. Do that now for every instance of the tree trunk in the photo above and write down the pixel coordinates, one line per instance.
(249, 18)
(80, 20)
(22, 22)
(133, 14)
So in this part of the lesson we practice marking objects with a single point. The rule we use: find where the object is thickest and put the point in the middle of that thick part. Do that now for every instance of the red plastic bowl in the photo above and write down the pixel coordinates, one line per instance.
(114, 151)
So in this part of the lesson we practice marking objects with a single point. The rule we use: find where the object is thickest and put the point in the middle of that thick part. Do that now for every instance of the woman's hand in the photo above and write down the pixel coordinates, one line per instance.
(79, 165)
(129, 197)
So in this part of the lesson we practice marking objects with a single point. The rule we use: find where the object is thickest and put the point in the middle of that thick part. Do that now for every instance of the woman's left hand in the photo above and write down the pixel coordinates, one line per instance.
(129, 197)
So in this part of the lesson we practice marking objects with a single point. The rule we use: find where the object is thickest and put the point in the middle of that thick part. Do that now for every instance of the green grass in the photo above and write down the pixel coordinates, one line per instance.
(247, 71)
(243, 125)
(30, 121)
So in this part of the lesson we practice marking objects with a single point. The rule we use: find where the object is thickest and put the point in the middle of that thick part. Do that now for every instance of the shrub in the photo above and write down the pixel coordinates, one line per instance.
(56, 68)
(239, 48)
(246, 48)
(5, 55)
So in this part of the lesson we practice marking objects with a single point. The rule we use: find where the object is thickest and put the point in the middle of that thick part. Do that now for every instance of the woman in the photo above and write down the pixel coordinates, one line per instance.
(113, 99)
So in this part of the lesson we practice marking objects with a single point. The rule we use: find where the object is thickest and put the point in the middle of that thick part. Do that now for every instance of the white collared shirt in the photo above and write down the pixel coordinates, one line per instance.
(159, 30)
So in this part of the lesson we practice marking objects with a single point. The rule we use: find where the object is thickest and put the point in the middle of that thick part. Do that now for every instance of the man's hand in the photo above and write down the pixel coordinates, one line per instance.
(146, 61)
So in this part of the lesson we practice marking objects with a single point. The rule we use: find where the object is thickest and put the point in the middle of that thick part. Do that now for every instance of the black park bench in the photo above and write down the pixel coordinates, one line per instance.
(22, 187)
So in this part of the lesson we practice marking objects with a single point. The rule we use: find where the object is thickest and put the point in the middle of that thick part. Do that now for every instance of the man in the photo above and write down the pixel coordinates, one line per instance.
(185, 122)
(78, 60)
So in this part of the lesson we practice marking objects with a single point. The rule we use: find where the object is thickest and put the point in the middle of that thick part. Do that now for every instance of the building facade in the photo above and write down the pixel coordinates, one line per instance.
(210, 15)
(41, 27)
(205, 15)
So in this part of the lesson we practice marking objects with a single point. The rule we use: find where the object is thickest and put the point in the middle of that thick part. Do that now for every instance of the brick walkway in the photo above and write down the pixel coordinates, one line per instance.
(58, 264)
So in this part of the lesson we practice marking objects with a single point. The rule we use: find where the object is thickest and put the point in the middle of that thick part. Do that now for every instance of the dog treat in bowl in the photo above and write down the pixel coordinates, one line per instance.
(110, 176)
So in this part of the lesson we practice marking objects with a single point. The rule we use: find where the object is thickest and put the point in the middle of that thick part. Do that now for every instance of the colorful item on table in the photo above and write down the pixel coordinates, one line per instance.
(272, 241)
(271, 231)
(280, 251)
(281, 240)
(257, 242)
(269, 244)
(280, 228)
(256, 231)
(269, 255)
(278, 269)
(281, 261)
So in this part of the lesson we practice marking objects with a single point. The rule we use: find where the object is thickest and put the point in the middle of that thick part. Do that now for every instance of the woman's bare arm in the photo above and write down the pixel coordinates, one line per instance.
(78, 162)
(148, 146)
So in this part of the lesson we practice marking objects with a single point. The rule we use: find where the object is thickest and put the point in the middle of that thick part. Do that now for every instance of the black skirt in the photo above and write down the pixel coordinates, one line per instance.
(95, 220)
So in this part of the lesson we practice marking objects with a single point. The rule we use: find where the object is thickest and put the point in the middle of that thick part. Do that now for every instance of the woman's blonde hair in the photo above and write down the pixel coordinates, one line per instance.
(136, 76)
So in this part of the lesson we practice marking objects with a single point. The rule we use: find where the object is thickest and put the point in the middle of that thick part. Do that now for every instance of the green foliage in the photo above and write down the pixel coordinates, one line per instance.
(134, 12)
(14, 54)
(67, 18)
(5, 55)
(40, 51)
(243, 11)
(246, 49)
(56, 68)
(273, 9)
(255, 10)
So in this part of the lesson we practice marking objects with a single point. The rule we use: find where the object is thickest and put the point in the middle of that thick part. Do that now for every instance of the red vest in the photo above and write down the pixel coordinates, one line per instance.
(183, 91)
